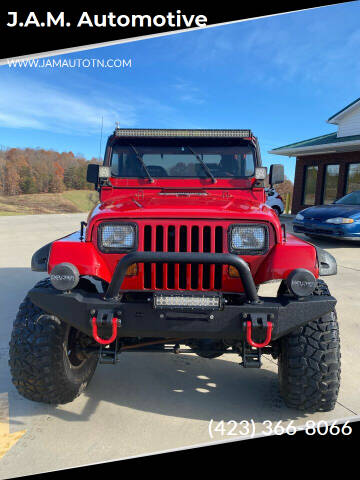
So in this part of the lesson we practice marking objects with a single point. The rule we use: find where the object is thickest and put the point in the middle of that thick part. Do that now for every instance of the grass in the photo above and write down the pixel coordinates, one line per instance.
(83, 199)
(71, 201)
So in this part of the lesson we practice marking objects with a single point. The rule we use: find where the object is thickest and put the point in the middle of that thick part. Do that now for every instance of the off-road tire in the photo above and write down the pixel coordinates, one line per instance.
(40, 366)
(309, 363)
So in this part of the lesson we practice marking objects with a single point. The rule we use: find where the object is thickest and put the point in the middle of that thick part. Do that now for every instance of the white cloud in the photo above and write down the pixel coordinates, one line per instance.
(11, 120)
(30, 104)
(187, 92)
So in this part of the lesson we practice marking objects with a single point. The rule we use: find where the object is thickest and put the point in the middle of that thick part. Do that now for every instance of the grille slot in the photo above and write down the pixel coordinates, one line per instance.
(183, 238)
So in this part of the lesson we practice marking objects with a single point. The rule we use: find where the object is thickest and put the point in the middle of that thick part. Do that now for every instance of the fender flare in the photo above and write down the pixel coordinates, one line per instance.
(39, 260)
(327, 262)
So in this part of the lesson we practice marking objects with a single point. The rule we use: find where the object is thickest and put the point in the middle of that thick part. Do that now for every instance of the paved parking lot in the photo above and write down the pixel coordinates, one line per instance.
(150, 402)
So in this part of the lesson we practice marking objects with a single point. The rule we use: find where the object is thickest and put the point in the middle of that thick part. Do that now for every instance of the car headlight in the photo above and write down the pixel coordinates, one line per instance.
(339, 220)
(299, 217)
(117, 237)
(248, 239)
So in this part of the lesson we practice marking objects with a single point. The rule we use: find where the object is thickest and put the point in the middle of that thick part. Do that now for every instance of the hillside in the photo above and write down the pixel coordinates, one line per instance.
(70, 201)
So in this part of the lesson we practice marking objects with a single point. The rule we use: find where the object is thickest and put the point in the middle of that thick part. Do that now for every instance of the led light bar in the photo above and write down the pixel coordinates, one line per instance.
(150, 132)
(187, 301)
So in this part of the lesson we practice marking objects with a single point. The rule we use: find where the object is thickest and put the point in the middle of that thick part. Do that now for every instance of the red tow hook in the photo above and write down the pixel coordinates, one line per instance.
(100, 340)
(267, 339)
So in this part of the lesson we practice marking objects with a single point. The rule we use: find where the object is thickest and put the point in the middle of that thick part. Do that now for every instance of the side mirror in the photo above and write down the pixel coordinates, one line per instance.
(276, 174)
(97, 173)
(92, 174)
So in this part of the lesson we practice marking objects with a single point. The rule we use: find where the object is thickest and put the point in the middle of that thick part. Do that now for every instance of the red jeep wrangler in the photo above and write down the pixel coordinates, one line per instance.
(170, 260)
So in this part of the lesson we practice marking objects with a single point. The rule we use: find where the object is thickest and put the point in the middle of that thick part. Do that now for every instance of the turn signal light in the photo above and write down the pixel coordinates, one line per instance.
(132, 270)
(233, 272)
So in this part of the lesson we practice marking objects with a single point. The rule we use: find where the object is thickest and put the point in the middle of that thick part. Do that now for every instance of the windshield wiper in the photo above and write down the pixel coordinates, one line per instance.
(139, 157)
(205, 167)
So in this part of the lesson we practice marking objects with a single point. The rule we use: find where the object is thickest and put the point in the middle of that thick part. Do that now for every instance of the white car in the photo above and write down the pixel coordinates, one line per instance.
(274, 200)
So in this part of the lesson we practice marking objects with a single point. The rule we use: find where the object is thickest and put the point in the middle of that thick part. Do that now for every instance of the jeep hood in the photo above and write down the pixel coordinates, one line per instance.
(159, 205)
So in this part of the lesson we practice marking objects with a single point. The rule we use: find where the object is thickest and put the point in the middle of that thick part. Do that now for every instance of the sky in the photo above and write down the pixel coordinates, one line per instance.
(281, 76)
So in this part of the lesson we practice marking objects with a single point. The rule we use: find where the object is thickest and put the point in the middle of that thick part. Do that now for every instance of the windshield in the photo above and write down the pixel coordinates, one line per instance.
(182, 161)
(352, 199)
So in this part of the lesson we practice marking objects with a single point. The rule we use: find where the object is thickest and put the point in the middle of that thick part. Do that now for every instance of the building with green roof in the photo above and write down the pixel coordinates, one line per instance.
(328, 166)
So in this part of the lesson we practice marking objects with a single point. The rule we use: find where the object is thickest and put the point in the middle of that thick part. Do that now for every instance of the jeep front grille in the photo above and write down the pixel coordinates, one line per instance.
(182, 238)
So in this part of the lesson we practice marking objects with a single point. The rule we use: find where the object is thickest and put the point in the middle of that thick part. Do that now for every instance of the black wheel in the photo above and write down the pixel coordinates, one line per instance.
(45, 362)
(309, 363)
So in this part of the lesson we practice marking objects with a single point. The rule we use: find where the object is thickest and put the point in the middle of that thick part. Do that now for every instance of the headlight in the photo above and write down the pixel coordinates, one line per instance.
(117, 237)
(248, 239)
(299, 217)
(339, 220)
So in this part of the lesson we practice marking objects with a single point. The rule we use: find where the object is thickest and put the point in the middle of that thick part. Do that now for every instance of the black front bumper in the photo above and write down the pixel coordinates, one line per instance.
(142, 319)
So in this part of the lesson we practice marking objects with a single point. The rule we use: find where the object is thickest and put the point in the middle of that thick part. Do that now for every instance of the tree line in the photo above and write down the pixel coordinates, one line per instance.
(31, 170)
